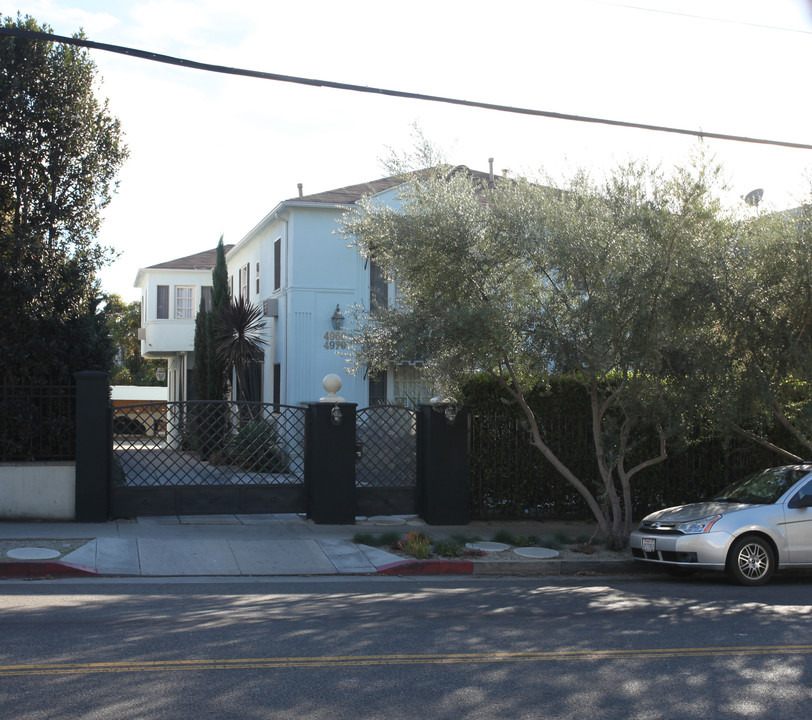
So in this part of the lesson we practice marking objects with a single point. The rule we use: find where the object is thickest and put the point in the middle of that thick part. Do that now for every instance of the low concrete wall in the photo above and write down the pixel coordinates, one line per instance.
(37, 491)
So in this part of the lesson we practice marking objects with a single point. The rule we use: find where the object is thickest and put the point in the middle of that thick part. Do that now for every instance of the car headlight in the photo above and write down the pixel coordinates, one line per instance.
(695, 527)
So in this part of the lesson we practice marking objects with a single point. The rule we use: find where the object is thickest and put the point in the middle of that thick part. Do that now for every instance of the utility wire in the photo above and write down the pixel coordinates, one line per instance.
(193, 64)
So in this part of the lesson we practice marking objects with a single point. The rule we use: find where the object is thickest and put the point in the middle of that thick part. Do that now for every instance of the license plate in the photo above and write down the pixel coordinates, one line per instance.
(648, 544)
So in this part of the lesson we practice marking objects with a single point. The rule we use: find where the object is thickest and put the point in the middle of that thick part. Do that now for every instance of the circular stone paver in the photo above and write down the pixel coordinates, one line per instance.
(487, 546)
(536, 552)
(33, 553)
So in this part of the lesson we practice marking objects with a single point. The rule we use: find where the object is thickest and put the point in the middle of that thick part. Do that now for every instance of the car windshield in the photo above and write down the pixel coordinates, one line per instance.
(763, 487)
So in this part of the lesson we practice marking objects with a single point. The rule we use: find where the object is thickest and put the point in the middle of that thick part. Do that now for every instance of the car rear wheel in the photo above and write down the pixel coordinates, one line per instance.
(750, 561)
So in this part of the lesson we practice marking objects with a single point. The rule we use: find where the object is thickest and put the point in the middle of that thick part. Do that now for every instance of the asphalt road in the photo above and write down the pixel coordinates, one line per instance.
(440, 648)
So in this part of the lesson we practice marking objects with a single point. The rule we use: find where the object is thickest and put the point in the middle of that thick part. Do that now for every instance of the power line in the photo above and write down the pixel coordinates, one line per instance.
(193, 64)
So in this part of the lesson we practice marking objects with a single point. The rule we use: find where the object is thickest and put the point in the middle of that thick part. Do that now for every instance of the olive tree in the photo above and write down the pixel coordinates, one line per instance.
(607, 282)
(764, 381)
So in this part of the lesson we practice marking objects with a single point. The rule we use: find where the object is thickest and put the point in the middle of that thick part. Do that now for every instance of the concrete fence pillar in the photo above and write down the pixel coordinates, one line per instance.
(93, 446)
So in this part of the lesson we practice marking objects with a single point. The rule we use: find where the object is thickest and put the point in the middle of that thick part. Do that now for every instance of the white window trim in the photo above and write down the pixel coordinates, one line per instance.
(178, 306)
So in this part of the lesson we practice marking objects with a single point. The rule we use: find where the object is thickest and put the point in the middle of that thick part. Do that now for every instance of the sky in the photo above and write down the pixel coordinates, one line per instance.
(212, 154)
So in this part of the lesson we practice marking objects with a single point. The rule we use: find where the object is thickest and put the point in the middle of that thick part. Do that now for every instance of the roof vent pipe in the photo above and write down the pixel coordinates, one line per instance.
(299, 185)
(490, 172)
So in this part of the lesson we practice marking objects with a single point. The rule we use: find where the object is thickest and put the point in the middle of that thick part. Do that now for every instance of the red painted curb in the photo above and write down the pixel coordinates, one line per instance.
(428, 567)
(38, 568)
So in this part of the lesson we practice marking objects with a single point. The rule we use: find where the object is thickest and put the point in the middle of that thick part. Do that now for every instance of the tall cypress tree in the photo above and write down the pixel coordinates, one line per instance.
(201, 370)
(211, 382)
(220, 301)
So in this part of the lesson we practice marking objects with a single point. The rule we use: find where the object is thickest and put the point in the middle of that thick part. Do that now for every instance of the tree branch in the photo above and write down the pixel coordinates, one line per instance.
(784, 420)
(763, 442)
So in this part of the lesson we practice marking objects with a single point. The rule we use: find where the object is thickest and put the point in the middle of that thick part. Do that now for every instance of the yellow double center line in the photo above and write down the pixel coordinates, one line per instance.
(381, 660)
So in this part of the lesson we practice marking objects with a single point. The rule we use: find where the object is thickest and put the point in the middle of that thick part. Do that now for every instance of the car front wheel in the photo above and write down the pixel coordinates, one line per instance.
(750, 561)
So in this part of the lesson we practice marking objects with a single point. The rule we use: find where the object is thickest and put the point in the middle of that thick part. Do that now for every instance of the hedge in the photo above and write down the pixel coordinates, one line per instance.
(509, 478)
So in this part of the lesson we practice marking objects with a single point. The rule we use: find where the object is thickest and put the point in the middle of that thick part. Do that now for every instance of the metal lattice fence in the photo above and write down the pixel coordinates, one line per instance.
(208, 443)
(387, 435)
(37, 421)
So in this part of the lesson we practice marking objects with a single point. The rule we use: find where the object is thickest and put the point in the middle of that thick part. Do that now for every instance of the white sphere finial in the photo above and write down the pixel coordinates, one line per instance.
(332, 384)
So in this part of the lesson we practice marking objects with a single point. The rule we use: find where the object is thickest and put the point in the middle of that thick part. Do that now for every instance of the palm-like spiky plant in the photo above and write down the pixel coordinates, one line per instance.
(239, 337)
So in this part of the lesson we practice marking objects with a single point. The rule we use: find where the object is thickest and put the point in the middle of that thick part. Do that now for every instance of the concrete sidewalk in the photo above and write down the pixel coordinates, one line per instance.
(259, 545)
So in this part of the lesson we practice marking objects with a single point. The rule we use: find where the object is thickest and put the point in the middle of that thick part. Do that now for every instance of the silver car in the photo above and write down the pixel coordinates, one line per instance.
(753, 527)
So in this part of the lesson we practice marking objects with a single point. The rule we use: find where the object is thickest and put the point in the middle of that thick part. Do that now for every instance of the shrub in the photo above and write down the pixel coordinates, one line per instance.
(462, 539)
(416, 544)
(552, 543)
(387, 539)
(448, 548)
(503, 536)
(366, 539)
(390, 538)
(256, 448)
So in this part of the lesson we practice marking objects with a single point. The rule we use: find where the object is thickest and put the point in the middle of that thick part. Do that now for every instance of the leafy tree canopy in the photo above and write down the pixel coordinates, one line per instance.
(123, 321)
(60, 151)
(608, 282)
(764, 375)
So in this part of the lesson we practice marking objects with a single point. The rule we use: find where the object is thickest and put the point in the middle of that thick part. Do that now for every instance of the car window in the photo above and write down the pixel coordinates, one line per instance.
(763, 487)
(805, 490)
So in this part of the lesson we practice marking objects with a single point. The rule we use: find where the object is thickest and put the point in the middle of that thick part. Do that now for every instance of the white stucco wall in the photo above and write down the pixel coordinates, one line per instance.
(138, 394)
(165, 337)
(37, 491)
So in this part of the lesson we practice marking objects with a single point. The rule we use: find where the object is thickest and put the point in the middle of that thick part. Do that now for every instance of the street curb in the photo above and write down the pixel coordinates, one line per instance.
(41, 568)
(510, 568)
(428, 567)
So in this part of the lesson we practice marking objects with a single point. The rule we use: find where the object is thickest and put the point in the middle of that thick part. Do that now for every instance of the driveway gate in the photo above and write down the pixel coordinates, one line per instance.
(194, 458)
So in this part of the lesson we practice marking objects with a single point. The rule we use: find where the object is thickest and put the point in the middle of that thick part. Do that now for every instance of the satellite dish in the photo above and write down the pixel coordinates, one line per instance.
(753, 198)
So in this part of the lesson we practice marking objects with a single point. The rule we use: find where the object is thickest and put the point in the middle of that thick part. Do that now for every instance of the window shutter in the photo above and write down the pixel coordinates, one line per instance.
(163, 302)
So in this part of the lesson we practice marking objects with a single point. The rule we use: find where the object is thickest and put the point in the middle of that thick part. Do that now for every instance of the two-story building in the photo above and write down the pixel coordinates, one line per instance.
(295, 266)
(170, 297)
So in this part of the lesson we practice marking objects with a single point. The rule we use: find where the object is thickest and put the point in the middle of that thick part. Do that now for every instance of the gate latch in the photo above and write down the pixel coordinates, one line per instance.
(359, 450)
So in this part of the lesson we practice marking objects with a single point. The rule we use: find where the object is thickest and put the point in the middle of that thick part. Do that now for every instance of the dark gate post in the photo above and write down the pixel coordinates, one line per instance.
(93, 446)
(442, 465)
(330, 462)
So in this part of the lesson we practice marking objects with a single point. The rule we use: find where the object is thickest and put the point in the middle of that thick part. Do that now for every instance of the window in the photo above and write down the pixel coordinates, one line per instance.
(206, 294)
(163, 302)
(184, 302)
(378, 288)
(256, 277)
(377, 388)
(277, 390)
(231, 286)
(277, 264)
(244, 283)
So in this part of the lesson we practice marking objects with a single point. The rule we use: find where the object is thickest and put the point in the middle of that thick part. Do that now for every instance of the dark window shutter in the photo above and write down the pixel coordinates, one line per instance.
(163, 302)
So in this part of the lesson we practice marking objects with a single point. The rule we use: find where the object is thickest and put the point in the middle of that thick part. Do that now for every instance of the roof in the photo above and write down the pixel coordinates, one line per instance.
(205, 260)
(353, 193)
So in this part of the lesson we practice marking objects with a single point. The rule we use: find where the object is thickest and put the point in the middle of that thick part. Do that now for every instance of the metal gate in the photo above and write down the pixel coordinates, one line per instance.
(194, 458)
(386, 469)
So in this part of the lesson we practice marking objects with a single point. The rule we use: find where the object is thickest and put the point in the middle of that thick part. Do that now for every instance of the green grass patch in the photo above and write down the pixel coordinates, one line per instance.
(448, 548)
